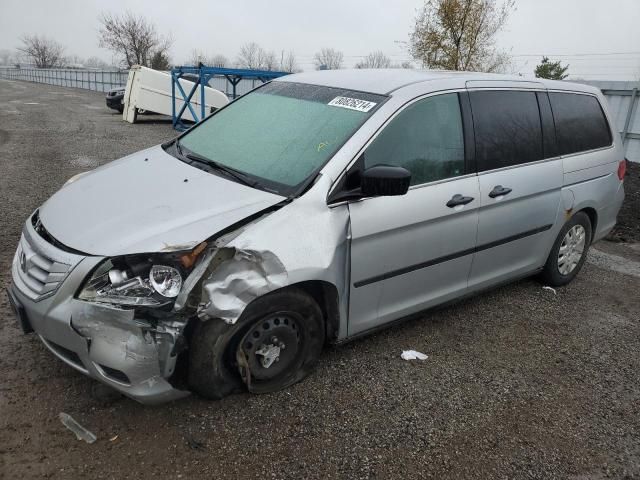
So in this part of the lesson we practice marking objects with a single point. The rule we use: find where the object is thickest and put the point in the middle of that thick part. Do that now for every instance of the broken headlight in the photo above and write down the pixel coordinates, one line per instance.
(165, 280)
(134, 281)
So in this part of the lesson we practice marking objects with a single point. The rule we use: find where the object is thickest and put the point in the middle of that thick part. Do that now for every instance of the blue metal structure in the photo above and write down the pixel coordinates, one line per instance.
(204, 74)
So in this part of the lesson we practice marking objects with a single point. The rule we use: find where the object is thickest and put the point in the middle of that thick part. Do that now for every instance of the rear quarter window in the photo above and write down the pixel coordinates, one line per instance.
(580, 122)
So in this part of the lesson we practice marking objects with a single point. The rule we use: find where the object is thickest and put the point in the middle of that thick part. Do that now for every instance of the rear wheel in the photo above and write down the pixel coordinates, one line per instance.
(569, 251)
(275, 343)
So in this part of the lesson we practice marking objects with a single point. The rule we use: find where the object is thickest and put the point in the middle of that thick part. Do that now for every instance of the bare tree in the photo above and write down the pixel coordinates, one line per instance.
(43, 51)
(73, 61)
(133, 38)
(254, 57)
(328, 59)
(95, 62)
(375, 60)
(219, 61)
(249, 55)
(460, 34)
(6, 56)
(197, 57)
(289, 63)
(268, 61)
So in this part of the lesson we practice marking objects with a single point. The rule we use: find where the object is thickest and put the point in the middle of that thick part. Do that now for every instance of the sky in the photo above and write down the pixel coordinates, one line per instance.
(599, 39)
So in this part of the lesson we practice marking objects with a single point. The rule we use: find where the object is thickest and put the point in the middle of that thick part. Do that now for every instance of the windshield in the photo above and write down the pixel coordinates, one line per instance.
(282, 133)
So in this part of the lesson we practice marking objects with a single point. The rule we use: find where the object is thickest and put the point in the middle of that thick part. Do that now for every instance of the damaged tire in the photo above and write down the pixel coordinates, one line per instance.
(569, 251)
(275, 343)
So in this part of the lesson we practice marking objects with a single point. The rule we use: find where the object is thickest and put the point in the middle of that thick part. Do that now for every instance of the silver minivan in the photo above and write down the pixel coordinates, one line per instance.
(319, 207)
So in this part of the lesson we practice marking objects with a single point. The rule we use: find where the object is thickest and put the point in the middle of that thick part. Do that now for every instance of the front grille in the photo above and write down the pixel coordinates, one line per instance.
(40, 274)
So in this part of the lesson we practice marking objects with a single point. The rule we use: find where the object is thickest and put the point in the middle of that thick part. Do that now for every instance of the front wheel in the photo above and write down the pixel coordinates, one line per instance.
(569, 251)
(275, 343)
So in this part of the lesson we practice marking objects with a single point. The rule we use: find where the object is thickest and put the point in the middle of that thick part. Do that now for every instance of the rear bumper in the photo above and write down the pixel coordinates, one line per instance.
(607, 216)
(106, 343)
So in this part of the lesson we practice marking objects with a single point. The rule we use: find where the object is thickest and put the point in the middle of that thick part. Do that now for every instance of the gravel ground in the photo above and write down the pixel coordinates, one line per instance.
(520, 382)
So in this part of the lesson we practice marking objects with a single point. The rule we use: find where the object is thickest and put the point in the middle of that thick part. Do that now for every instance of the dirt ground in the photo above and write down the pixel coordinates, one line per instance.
(520, 382)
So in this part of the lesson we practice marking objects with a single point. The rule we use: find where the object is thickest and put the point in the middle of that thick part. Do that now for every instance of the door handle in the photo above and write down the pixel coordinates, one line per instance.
(499, 191)
(458, 199)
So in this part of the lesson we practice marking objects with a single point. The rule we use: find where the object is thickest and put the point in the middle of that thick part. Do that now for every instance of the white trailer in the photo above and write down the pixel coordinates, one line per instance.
(150, 90)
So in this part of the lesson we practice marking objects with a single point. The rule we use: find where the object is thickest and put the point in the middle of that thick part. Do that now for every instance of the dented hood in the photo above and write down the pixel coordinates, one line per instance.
(147, 202)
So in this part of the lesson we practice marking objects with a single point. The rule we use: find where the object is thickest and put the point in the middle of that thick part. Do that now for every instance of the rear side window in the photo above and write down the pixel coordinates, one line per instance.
(580, 122)
(426, 138)
(507, 128)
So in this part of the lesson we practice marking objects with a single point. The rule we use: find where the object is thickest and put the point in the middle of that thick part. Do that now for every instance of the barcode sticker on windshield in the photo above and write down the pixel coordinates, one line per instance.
(352, 104)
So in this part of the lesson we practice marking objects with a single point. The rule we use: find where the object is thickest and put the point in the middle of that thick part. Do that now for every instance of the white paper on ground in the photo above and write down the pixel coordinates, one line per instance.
(413, 355)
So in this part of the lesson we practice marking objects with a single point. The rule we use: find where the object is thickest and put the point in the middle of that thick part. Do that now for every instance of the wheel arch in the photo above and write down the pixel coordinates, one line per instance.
(326, 296)
(593, 218)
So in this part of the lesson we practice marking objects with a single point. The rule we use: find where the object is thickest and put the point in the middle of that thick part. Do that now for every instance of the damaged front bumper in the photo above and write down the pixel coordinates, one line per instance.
(130, 354)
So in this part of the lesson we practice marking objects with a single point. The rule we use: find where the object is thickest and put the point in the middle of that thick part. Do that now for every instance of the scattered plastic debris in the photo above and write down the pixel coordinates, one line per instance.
(113, 439)
(413, 355)
(551, 289)
(81, 432)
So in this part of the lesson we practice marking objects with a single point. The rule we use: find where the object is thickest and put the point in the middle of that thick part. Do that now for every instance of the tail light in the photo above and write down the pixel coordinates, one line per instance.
(622, 169)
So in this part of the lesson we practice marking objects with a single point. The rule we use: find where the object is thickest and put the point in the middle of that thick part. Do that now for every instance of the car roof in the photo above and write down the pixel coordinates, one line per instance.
(386, 81)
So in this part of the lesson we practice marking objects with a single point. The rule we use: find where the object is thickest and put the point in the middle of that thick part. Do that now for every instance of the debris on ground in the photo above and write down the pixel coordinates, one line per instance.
(195, 444)
(413, 355)
(81, 432)
(551, 289)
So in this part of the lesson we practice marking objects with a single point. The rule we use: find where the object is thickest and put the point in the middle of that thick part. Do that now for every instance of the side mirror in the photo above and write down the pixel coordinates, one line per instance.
(384, 181)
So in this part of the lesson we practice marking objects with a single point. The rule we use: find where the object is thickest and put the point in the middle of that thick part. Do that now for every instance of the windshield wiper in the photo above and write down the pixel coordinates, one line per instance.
(178, 146)
(211, 165)
(232, 172)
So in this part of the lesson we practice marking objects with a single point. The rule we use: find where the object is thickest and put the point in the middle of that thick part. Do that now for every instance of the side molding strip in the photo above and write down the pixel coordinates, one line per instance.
(453, 256)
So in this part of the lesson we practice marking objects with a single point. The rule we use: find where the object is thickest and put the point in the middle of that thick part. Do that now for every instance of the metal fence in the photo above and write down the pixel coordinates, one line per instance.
(102, 81)
(97, 80)
(244, 86)
(622, 98)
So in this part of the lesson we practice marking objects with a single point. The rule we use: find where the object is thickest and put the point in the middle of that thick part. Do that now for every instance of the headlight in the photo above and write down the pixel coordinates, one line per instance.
(165, 280)
(135, 280)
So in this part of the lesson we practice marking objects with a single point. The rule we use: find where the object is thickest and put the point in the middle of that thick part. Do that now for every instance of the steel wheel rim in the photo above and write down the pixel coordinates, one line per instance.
(571, 249)
(272, 346)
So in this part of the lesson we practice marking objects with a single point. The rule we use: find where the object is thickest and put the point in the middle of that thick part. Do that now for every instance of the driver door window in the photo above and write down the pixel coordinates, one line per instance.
(426, 138)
